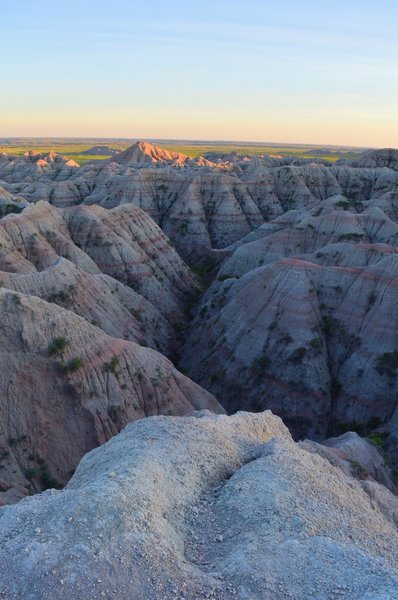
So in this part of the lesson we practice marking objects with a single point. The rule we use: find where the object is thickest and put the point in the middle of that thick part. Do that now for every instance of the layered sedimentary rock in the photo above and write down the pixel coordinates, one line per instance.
(201, 204)
(388, 157)
(9, 203)
(115, 268)
(203, 507)
(145, 153)
(358, 457)
(67, 387)
(302, 319)
(301, 316)
(34, 165)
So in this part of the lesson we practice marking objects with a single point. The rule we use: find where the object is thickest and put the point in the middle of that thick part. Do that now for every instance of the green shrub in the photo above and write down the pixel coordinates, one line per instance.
(137, 314)
(372, 299)
(387, 364)
(343, 204)
(46, 479)
(286, 339)
(259, 365)
(113, 412)
(355, 237)
(378, 439)
(73, 365)
(223, 277)
(316, 344)
(335, 328)
(30, 473)
(298, 354)
(330, 324)
(112, 365)
(57, 345)
(16, 440)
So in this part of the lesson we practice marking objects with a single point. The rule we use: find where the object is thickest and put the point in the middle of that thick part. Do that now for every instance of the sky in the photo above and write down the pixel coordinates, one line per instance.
(288, 71)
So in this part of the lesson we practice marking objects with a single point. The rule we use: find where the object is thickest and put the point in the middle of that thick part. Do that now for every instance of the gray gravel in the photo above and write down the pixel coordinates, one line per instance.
(201, 507)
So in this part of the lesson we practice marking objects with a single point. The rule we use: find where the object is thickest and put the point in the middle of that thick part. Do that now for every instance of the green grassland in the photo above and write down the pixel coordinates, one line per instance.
(297, 151)
(74, 150)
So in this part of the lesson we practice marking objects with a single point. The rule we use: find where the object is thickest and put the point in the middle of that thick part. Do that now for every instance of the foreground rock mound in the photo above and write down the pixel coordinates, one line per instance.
(201, 507)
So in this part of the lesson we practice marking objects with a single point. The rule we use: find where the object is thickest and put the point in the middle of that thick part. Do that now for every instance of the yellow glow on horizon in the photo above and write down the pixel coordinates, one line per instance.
(255, 125)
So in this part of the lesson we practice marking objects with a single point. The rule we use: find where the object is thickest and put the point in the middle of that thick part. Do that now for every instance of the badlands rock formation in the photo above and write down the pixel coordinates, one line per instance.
(300, 316)
(200, 204)
(203, 507)
(33, 165)
(379, 158)
(9, 203)
(67, 387)
(146, 154)
(294, 309)
(302, 319)
(357, 457)
(115, 268)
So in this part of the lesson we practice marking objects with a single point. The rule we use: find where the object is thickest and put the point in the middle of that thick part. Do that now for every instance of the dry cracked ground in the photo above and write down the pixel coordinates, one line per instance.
(153, 284)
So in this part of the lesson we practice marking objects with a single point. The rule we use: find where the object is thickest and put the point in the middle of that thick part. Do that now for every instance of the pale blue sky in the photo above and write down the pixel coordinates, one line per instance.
(316, 72)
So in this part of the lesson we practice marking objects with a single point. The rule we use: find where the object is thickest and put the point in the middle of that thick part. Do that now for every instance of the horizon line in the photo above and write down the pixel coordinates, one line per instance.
(190, 140)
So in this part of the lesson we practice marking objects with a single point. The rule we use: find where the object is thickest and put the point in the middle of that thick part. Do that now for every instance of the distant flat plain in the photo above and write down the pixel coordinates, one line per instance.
(75, 148)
